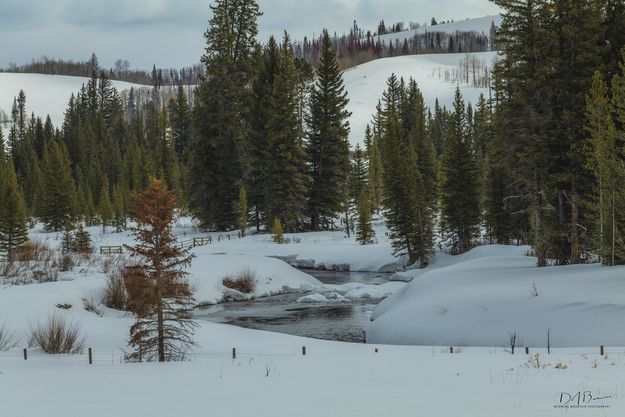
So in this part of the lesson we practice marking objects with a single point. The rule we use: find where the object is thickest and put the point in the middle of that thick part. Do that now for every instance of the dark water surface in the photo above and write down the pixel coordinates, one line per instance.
(343, 321)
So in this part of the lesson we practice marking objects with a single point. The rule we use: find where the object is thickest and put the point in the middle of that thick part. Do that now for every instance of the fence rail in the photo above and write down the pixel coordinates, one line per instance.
(109, 250)
(184, 244)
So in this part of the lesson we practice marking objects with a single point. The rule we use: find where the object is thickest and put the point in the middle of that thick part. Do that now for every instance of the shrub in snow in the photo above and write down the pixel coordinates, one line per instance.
(7, 338)
(115, 294)
(56, 335)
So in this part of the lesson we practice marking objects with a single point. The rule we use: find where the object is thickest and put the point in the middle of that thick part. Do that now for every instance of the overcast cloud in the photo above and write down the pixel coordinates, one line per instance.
(169, 32)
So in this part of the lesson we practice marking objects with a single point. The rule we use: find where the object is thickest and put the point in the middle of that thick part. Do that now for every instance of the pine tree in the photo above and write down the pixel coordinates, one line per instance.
(180, 120)
(285, 181)
(160, 298)
(404, 200)
(327, 146)
(524, 107)
(57, 200)
(119, 210)
(220, 114)
(605, 161)
(277, 231)
(13, 226)
(460, 187)
(68, 241)
(82, 240)
(359, 175)
(364, 232)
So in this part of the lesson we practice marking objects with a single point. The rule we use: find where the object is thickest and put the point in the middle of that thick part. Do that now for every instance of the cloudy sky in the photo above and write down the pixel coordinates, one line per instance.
(169, 32)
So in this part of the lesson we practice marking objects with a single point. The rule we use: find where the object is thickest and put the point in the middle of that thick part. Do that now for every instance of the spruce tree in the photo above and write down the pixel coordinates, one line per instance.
(160, 297)
(57, 200)
(460, 186)
(285, 181)
(13, 220)
(364, 231)
(277, 231)
(180, 121)
(82, 240)
(220, 114)
(327, 146)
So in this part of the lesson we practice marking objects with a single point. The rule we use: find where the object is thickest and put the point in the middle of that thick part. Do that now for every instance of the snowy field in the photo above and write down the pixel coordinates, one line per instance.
(271, 377)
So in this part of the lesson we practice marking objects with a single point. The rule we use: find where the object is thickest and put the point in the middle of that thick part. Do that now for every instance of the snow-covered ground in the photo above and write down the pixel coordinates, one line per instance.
(487, 292)
(479, 298)
(271, 377)
(365, 83)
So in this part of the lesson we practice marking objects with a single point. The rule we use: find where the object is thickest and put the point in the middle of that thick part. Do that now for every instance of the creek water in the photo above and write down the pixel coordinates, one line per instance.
(342, 321)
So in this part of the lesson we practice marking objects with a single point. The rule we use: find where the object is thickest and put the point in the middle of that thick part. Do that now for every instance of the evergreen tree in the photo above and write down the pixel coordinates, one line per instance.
(180, 120)
(160, 298)
(13, 226)
(119, 210)
(57, 200)
(285, 182)
(82, 240)
(277, 231)
(220, 114)
(605, 162)
(460, 186)
(525, 107)
(404, 200)
(327, 146)
(364, 232)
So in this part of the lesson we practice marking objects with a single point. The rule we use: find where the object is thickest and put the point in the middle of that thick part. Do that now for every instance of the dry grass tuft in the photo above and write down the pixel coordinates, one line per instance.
(56, 335)
(243, 281)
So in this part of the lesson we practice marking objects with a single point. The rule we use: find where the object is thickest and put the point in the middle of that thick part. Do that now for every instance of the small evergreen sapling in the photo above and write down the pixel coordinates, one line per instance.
(277, 231)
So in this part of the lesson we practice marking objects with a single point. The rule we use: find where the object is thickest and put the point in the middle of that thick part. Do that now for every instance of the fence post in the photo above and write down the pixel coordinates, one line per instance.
(25, 354)
(601, 350)
(234, 353)
(527, 350)
(376, 350)
(304, 350)
(90, 357)
(451, 349)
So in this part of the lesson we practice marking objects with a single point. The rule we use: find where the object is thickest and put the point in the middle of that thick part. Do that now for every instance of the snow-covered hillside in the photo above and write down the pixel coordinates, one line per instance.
(479, 24)
(365, 83)
(477, 299)
(49, 94)
(45, 94)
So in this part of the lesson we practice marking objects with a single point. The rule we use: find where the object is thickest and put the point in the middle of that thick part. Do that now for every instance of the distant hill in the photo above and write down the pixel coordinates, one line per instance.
(479, 25)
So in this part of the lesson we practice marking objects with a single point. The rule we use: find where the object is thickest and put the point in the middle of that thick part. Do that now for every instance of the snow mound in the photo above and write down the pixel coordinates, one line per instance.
(273, 276)
(313, 298)
(489, 293)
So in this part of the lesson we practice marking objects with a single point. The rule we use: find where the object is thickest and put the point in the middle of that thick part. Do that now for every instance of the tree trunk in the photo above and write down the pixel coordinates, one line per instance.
(539, 227)
(575, 255)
